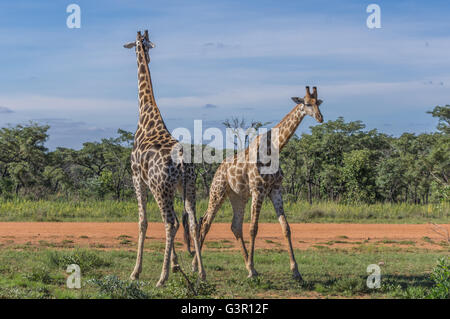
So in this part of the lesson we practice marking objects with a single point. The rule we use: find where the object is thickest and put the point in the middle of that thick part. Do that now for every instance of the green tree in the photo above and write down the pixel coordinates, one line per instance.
(358, 174)
(23, 155)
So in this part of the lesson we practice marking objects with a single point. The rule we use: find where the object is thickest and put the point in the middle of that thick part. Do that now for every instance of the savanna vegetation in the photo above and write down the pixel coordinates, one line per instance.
(338, 172)
(328, 273)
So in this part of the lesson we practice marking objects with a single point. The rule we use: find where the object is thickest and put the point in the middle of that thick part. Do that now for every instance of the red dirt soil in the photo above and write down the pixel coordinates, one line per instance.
(120, 235)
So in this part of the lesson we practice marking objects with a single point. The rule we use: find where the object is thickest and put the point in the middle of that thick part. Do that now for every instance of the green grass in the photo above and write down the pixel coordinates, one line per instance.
(298, 212)
(327, 272)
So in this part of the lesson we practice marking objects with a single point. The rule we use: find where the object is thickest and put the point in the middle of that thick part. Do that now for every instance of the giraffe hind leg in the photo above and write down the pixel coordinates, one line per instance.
(238, 205)
(257, 199)
(192, 220)
(185, 222)
(174, 258)
(165, 205)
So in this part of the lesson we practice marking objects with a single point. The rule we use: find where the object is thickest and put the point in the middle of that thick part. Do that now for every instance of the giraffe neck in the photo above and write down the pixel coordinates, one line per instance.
(150, 119)
(288, 125)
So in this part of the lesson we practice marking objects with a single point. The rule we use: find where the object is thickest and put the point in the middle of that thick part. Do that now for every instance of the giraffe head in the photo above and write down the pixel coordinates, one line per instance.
(142, 44)
(310, 104)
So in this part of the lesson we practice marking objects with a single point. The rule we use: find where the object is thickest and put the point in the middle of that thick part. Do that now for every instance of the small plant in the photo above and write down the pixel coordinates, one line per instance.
(86, 259)
(125, 242)
(441, 278)
(260, 283)
(179, 287)
(113, 287)
(350, 286)
(427, 239)
(39, 274)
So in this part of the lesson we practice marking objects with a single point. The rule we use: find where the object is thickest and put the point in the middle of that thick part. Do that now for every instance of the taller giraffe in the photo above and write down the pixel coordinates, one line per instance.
(239, 178)
(153, 166)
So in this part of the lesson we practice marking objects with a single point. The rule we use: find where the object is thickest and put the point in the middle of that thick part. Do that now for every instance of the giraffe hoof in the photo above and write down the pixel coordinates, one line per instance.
(160, 283)
(134, 276)
(253, 274)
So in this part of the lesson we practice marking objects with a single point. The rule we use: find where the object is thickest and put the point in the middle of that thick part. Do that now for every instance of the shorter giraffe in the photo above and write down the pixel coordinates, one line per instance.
(239, 179)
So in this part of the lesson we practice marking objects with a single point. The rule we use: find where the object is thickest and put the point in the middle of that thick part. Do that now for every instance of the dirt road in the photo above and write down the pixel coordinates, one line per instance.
(119, 235)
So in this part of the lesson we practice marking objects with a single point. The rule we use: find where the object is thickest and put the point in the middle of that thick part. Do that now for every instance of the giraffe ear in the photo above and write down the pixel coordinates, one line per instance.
(319, 102)
(297, 100)
(129, 45)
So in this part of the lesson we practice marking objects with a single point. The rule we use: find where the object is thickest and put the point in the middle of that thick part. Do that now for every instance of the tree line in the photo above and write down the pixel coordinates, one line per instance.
(338, 161)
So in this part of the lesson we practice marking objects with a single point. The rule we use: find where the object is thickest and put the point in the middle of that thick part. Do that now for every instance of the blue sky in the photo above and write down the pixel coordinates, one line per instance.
(214, 60)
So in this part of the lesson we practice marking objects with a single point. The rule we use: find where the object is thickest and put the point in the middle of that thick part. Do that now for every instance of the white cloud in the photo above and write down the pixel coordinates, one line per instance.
(61, 104)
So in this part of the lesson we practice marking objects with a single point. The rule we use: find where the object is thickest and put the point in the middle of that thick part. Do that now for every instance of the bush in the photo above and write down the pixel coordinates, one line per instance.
(178, 287)
(40, 274)
(86, 259)
(113, 287)
(441, 278)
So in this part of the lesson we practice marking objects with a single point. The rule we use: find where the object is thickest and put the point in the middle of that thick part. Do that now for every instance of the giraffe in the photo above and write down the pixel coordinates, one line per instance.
(241, 179)
(157, 164)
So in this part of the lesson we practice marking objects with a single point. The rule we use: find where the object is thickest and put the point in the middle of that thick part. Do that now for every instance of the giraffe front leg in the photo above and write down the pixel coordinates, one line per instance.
(277, 201)
(257, 199)
(141, 194)
(198, 265)
(216, 197)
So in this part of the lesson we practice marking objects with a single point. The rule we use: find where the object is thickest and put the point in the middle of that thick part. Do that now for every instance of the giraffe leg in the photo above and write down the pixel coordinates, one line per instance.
(193, 226)
(174, 258)
(187, 237)
(185, 223)
(169, 219)
(216, 198)
(238, 205)
(257, 199)
(141, 194)
(277, 201)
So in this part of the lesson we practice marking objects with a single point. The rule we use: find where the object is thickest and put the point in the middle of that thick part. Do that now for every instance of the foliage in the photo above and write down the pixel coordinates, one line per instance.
(18, 209)
(113, 287)
(337, 161)
(326, 273)
(178, 287)
(441, 278)
(87, 260)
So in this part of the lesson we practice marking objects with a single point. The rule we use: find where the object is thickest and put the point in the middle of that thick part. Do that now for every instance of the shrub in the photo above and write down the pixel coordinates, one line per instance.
(40, 274)
(178, 287)
(113, 287)
(86, 259)
(441, 278)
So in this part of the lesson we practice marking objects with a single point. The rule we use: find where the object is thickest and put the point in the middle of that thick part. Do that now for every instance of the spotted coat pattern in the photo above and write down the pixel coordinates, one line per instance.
(240, 180)
(155, 168)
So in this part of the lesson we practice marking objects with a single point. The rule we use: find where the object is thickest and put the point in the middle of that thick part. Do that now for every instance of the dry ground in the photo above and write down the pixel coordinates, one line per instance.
(119, 235)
